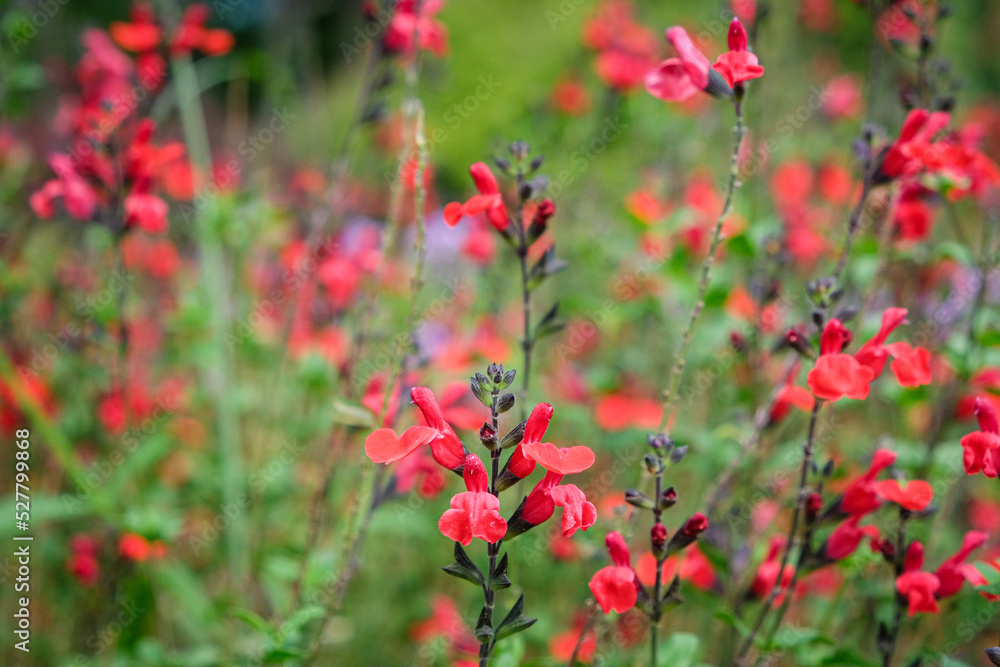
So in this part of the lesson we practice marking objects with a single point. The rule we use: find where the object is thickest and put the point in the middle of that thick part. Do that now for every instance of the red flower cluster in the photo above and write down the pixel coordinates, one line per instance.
(406, 25)
(144, 36)
(626, 49)
(923, 589)
(837, 374)
(96, 169)
(475, 512)
(677, 79)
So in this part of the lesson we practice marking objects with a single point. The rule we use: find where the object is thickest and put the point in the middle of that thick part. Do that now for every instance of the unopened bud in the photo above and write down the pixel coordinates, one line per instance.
(814, 503)
(653, 464)
(658, 538)
(488, 436)
(993, 654)
(668, 498)
(637, 498)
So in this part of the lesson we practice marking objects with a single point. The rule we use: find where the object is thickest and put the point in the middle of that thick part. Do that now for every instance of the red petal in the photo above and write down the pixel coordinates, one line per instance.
(915, 497)
(453, 213)
(383, 446)
(614, 588)
(565, 461)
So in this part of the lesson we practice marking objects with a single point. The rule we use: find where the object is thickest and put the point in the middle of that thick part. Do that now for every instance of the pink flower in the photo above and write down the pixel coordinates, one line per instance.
(738, 65)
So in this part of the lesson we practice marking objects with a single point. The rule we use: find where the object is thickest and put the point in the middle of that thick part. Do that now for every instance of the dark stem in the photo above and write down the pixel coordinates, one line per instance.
(854, 223)
(528, 342)
(492, 549)
(807, 457)
(900, 601)
(656, 609)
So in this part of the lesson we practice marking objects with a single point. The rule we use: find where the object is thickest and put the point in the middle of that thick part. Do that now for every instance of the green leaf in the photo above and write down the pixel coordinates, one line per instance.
(282, 654)
(302, 617)
(990, 338)
(253, 620)
(550, 323)
(499, 579)
(464, 568)
(515, 621)
(680, 650)
(484, 631)
(740, 246)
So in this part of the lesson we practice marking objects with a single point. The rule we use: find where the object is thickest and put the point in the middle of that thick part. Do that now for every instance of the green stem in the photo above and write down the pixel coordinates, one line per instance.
(216, 372)
(680, 357)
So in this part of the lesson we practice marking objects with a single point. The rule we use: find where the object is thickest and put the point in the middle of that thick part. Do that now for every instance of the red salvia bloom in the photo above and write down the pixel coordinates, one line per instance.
(873, 353)
(407, 24)
(767, 573)
(77, 194)
(539, 506)
(616, 587)
(473, 513)
(534, 431)
(836, 374)
(846, 537)
(738, 65)
(677, 79)
(915, 496)
(860, 497)
(446, 448)
(488, 200)
(955, 570)
(916, 586)
(980, 448)
(903, 158)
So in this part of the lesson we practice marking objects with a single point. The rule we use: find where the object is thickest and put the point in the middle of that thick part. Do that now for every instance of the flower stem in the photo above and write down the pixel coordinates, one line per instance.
(899, 600)
(680, 357)
(776, 589)
(528, 341)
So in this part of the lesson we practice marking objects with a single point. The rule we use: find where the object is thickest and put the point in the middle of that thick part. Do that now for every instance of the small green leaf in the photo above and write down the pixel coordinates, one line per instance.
(515, 621)
(302, 617)
(253, 620)
(484, 631)
(464, 568)
(499, 579)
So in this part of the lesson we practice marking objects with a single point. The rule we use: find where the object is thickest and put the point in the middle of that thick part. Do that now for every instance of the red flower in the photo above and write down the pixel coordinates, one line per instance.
(860, 497)
(534, 431)
(919, 129)
(142, 34)
(192, 34)
(980, 448)
(954, 570)
(916, 586)
(767, 573)
(138, 548)
(835, 374)
(78, 196)
(911, 366)
(147, 212)
(446, 448)
(83, 561)
(473, 513)
(488, 200)
(677, 79)
(738, 65)
(616, 587)
(788, 396)
(406, 24)
(846, 537)
(539, 506)
(915, 497)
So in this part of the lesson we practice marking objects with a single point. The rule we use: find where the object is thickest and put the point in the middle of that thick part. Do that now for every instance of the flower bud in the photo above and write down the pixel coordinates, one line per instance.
(814, 503)
(637, 498)
(737, 37)
(488, 436)
(653, 464)
(668, 498)
(993, 654)
(694, 527)
(658, 538)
